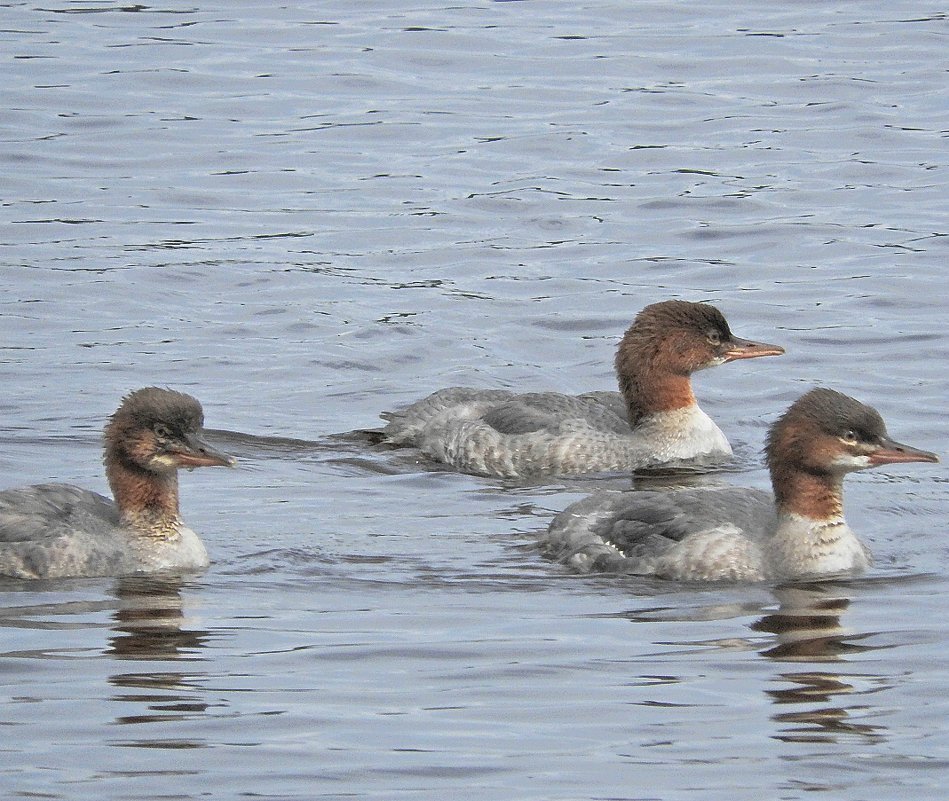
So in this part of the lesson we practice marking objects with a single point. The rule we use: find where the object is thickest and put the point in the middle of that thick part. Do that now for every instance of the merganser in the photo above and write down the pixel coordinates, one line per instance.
(57, 530)
(653, 421)
(735, 534)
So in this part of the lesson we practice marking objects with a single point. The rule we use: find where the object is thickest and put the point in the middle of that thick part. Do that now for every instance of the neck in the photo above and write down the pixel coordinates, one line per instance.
(147, 502)
(649, 389)
(817, 496)
(812, 539)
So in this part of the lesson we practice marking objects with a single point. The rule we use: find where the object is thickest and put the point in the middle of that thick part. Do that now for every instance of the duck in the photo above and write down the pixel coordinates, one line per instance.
(59, 530)
(726, 533)
(653, 422)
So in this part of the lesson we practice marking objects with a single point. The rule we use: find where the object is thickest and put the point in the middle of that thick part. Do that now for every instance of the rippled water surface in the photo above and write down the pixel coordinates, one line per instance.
(308, 214)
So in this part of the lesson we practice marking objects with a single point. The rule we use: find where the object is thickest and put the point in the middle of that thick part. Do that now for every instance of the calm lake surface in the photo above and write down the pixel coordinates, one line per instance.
(308, 214)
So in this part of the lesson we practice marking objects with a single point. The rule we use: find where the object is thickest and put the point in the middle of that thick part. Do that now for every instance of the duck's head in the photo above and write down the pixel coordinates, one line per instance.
(828, 433)
(680, 337)
(160, 430)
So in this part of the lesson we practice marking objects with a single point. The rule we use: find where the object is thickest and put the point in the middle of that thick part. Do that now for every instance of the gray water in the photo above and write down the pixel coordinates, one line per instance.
(305, 215)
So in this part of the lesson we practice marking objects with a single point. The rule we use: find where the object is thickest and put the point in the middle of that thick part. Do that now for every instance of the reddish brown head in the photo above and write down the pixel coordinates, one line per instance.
(159, 430)
(820, 438)
(669, 341)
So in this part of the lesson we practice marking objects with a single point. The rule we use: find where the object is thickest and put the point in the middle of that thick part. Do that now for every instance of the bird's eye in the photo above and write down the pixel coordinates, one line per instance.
(162, 431)
(850, 436)
(714, 338)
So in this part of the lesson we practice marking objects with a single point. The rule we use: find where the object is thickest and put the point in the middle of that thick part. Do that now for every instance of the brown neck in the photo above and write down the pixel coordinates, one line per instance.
(818, 496)
(648, 384)
(147, 501)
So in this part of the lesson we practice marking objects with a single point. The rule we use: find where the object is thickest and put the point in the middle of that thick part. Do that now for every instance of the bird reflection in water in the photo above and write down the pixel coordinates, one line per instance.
(149, 621)
(149, 626)
(808, 628)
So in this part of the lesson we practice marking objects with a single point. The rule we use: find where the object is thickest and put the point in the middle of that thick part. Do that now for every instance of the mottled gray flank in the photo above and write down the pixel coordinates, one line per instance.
(633, 531)
(701, 534)
(499, 433)
(56, 530)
